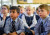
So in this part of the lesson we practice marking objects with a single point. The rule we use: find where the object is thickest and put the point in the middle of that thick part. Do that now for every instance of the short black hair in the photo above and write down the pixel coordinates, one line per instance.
(15, 8)
(36, 9)
(19, 6)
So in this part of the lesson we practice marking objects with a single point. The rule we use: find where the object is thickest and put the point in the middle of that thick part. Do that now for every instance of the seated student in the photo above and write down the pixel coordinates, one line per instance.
(29, 20)
(37, 16)
(19, 6)
(14, 24)
(21, 11)
(4, 12)
(43, 25)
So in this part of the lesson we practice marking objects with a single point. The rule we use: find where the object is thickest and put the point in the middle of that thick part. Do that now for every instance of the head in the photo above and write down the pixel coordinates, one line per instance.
(33, 9)
(14, 12)
(43, 11)
(29, 10)
(5, 8)
(19, 6)
(21, 10)
(37, 10)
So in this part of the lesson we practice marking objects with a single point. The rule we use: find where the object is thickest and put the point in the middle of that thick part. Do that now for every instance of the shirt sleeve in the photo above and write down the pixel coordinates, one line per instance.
(7, 29)
(21, 27)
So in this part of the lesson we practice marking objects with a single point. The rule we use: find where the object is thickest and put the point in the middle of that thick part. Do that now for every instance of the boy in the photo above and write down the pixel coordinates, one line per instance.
(14, 24)
(29, 20)
(4, 12)
(43, 26)
(21, 11)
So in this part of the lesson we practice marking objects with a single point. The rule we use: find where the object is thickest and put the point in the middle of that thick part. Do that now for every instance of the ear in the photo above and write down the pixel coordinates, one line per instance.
(48, 12)
(18, 14)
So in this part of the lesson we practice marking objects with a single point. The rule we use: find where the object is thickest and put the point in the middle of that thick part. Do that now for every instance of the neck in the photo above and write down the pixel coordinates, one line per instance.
(14, 19)
(44, 17)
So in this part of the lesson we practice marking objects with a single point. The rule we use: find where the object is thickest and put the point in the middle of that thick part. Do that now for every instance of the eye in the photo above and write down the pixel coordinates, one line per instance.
(41, 10)
(26, 10)
(29, 10)
(13, 11)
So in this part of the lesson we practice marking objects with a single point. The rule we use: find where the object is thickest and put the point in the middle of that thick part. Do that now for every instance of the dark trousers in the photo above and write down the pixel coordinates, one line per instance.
(1, 31)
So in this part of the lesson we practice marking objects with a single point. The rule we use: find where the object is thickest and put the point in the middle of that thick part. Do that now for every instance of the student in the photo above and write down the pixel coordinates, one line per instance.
(43, 25)
(21, 11)
(4, 12)
(14, 24)
(37, 10)
(5, 8)
(37, 15)
(29, 20)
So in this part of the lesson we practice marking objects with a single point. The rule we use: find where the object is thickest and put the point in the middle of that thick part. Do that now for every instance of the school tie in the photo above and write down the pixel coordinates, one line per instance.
(42, 27)
(13, 26)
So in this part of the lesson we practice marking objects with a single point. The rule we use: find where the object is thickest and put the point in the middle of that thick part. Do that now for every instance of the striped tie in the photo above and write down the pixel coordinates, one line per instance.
(13, 26)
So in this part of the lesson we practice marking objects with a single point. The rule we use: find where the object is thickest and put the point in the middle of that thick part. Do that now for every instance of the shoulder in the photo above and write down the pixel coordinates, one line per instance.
(8, 19)
(1, 18)
(40, 19)
(49, 18)
(19, 20)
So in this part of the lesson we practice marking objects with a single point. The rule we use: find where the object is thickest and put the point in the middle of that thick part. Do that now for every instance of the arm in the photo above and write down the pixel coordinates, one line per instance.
(21, 27)
(47, 27)
(6, 29)
(37, 29)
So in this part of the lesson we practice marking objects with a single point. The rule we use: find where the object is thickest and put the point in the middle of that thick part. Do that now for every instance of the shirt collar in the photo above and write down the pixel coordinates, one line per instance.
(44, 20)
(7, 14)
(29, 15)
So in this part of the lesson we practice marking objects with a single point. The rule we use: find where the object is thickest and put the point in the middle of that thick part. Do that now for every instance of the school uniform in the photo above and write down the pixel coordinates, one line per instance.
(20, 15)
(14, 27)
(43, 26)
(1, 25)
(29, 21)
(2, 22)
(49, 14)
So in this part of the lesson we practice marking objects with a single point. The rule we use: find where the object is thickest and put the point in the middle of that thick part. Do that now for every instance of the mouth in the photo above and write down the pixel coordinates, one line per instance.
(40, 15)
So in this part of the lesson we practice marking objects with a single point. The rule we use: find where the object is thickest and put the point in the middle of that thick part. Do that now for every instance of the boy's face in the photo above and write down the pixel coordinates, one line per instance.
(4, 9)
(13, 14)
(29, 11)
(43, 13)
(37, 12)
(21, 10)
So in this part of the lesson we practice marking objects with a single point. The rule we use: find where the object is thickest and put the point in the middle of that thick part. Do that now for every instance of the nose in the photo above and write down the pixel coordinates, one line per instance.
(11, 14)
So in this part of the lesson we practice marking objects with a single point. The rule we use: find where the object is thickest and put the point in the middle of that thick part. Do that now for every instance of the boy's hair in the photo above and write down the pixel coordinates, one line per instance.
(19, 6)
(44, 6)
(6, 6)
(37, 9)
(15, 8)
(29, 7)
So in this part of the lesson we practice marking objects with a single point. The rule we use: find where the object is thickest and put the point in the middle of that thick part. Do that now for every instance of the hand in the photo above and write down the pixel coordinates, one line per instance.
(9, 33)
(33, 32)
(14, 33)
(4, 17)
(4, 34)
(22, 33)
(48, 33)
